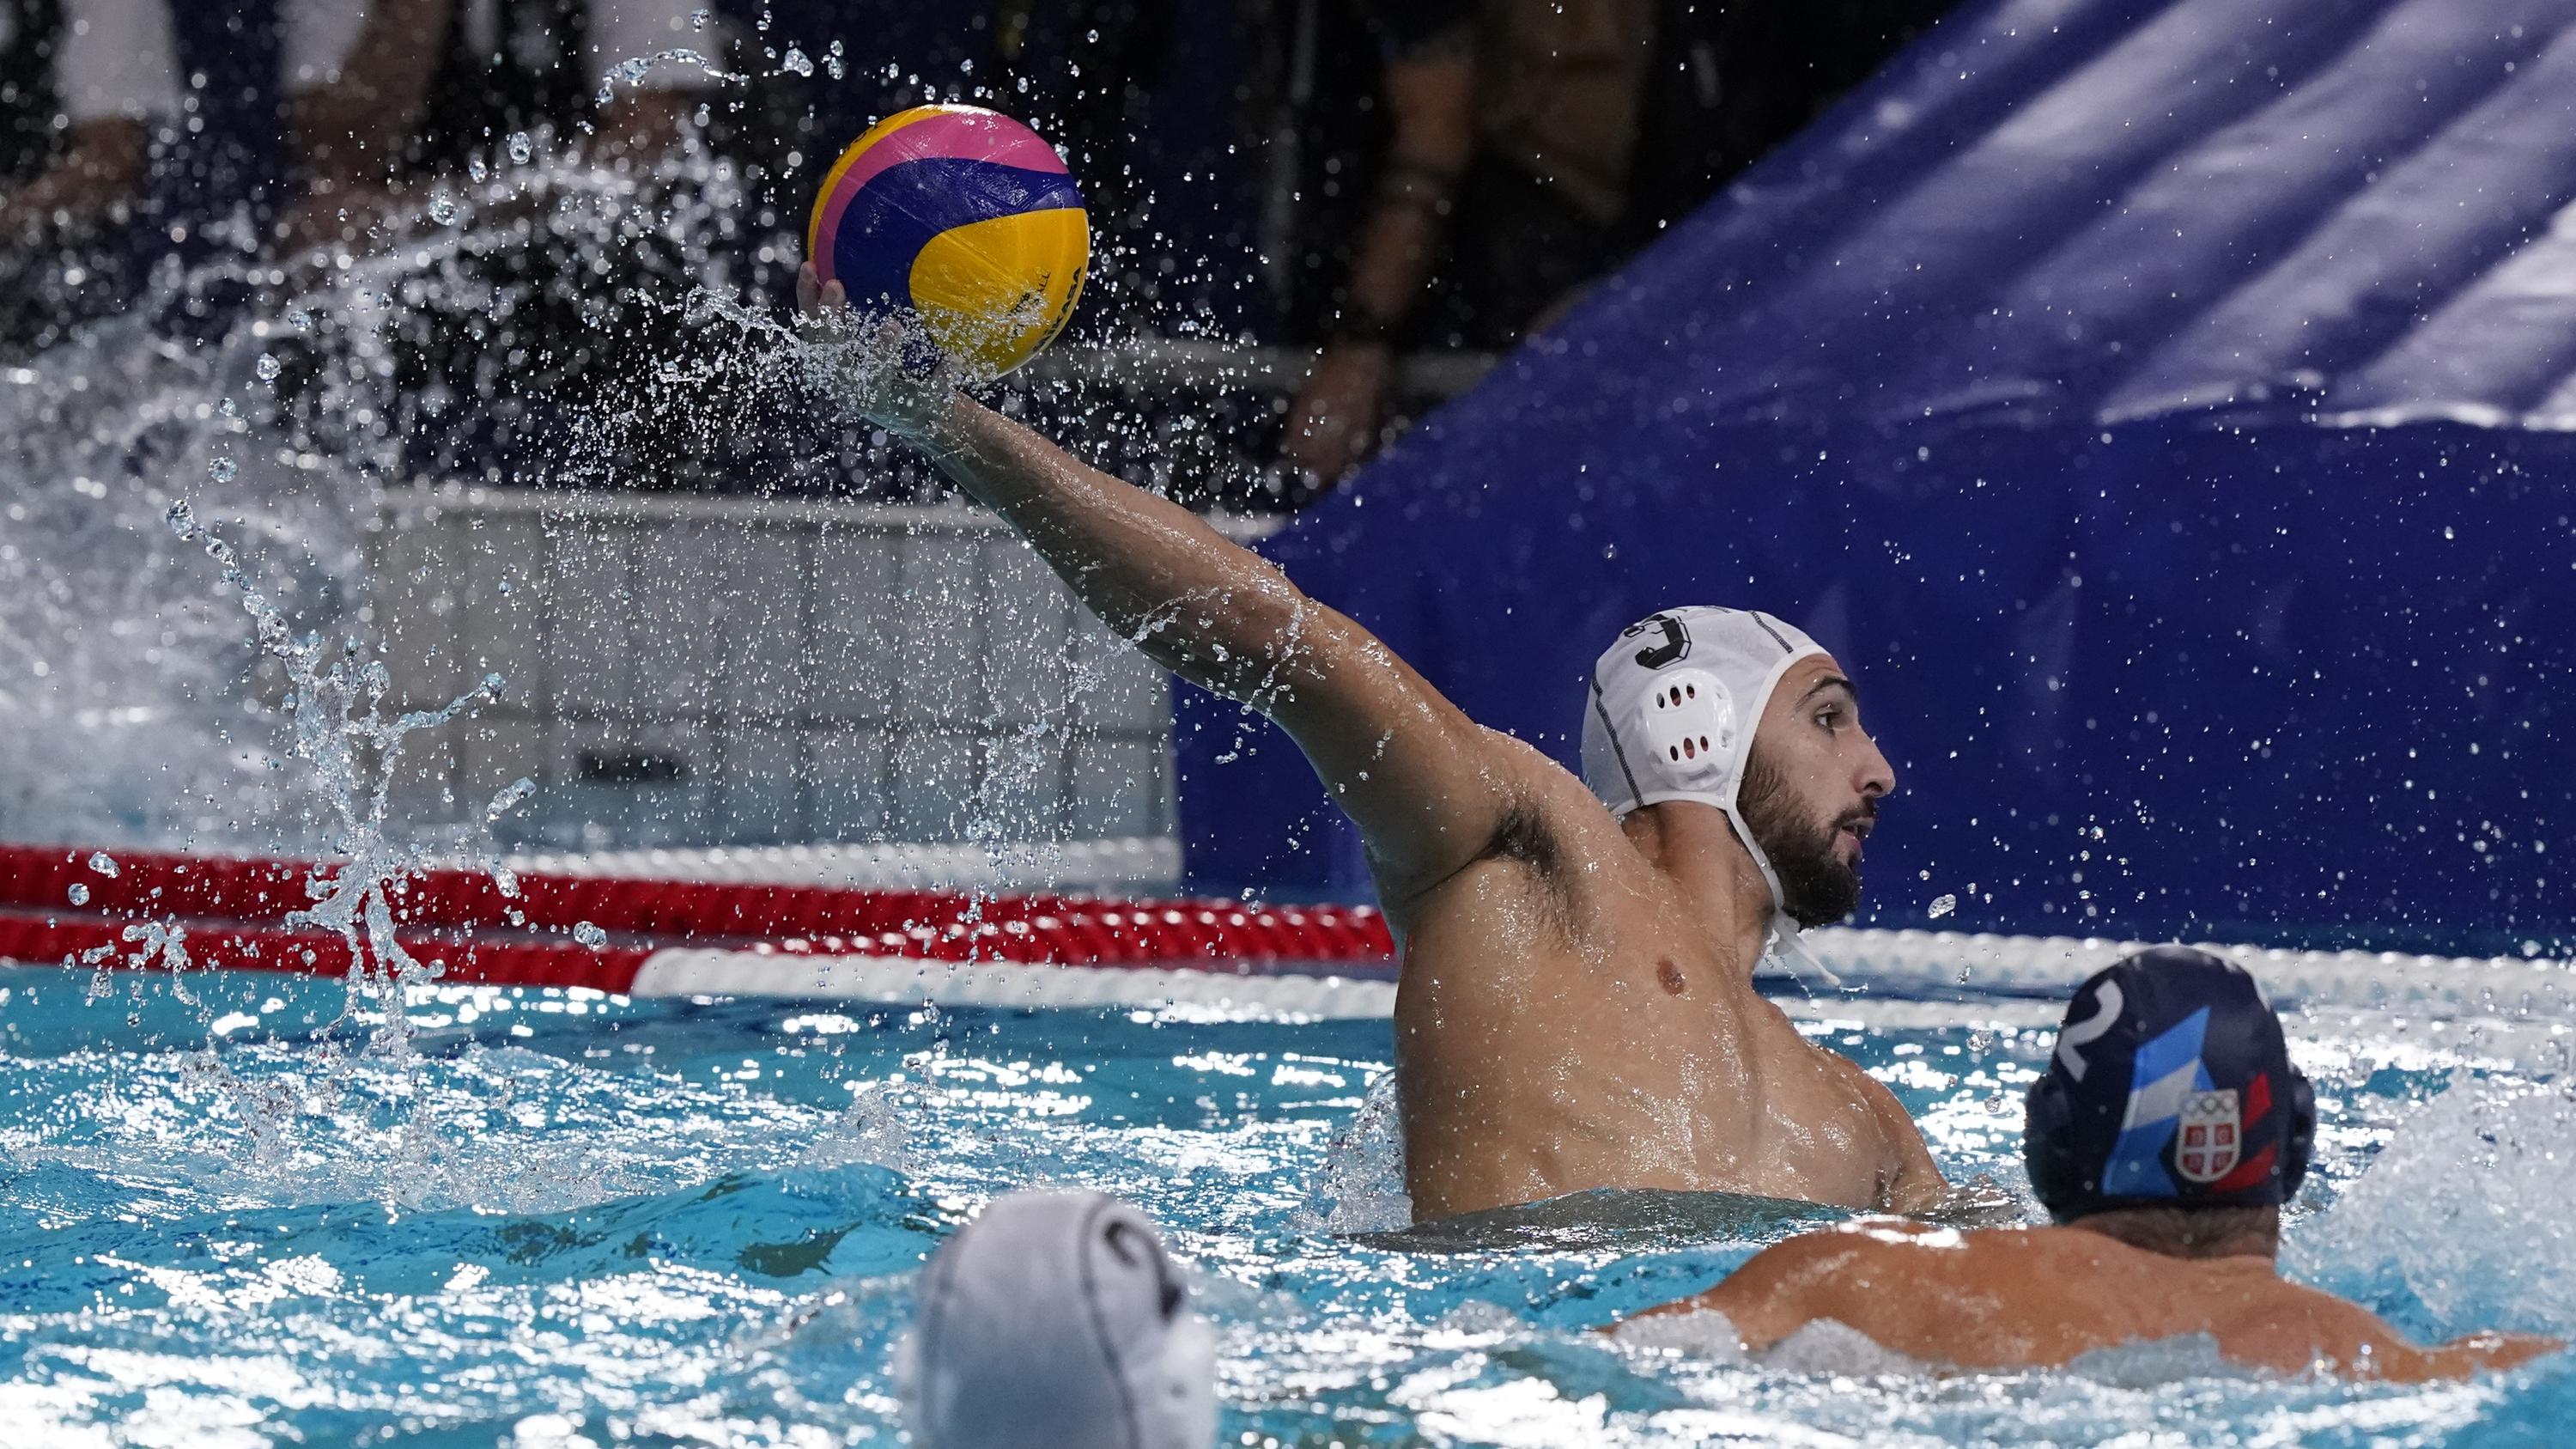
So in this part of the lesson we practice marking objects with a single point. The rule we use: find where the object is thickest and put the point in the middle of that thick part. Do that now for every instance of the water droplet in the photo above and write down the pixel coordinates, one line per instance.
(1943, 905)
(442, 207)
(221, 469)
(521, 148)
(508, 799)
(476, 169)
(79, 894)
(182, 519)
(301, 319)
(624, 73)
(795, 60)
(104, 864)
(701, 19)
(589, 935)
(268, 367)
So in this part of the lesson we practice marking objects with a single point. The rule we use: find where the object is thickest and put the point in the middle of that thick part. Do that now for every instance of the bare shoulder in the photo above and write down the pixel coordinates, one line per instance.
(1856, 1272)
(1548, 788)
(1862, 1246)
(1550, 822)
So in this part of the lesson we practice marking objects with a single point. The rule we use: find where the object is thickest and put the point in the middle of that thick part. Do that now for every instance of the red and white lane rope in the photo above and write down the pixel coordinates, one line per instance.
(759, 935)
(1125, 866)
(55, 904)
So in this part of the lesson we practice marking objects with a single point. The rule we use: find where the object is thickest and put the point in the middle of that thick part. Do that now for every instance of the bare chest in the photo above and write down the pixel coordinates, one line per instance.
(1634, 1056)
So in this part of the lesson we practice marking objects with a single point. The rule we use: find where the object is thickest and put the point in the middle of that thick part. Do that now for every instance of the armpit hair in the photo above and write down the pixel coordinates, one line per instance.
(1524, 836)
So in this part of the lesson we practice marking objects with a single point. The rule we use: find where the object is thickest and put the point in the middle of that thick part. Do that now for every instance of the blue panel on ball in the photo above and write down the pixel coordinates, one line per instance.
(905, 206)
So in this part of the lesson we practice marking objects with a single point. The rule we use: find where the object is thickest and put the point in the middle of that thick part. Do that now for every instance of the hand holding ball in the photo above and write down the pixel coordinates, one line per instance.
(963, 218)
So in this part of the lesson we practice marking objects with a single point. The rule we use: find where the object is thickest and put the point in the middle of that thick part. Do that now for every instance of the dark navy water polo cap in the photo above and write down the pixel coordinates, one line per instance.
(2170, 1086)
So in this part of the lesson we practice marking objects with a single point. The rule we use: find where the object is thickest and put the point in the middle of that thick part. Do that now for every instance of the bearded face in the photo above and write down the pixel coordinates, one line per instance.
(1816, 887)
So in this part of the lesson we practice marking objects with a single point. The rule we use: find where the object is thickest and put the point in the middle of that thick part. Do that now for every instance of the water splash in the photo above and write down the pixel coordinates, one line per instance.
(629, 71)
(138, 710)
(434, 356)
(2463, 1212)
(131, 703)
(1361, 1189)
(344, 733)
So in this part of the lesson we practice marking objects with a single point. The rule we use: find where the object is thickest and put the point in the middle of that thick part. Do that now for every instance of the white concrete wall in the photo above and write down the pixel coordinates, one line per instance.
(688, 672)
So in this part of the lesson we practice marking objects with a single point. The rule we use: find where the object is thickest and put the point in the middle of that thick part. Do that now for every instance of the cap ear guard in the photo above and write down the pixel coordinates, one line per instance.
(1690, 722)
(2299, 1138)
(2057, 1178)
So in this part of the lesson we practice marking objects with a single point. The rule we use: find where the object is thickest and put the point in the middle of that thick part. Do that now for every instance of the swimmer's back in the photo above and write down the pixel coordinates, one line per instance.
(2039, 1297)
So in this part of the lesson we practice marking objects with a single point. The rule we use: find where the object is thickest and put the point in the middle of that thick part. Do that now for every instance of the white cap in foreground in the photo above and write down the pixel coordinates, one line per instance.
(1056, 1319)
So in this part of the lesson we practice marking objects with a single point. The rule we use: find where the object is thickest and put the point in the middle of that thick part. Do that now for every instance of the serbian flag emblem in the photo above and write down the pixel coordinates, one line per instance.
(2212, 1137)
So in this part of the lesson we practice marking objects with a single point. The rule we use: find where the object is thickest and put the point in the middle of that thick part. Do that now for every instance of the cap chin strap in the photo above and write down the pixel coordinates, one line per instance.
(1792, 942)
(1783, 937)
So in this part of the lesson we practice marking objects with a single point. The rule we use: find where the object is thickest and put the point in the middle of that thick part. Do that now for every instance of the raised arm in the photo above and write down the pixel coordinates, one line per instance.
(1426, 786)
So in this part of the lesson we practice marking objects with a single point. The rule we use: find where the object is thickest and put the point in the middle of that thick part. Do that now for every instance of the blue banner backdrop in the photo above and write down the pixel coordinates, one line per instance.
(2196, 525)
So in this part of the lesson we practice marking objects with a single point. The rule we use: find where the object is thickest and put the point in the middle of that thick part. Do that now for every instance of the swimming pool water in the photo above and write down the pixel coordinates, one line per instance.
(571, 1219)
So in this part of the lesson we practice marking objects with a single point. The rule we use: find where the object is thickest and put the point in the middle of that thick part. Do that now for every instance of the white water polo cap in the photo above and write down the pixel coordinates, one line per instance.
(1056, 1318)
(1673, 708)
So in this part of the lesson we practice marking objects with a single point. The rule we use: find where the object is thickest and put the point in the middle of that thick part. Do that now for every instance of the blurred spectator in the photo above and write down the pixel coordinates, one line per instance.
(1451, 173)
(1501, 186)
(114, 77)
(385, 92)
(1405, 179)
(555, 290)
(84, 86)
(29, 32)
(1730, 82)
(1444, 174)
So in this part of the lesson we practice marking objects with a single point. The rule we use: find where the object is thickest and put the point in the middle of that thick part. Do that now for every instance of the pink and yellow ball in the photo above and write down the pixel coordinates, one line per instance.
(964, 217)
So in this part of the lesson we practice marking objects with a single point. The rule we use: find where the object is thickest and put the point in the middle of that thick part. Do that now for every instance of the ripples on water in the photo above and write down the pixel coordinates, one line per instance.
(576, 1219)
